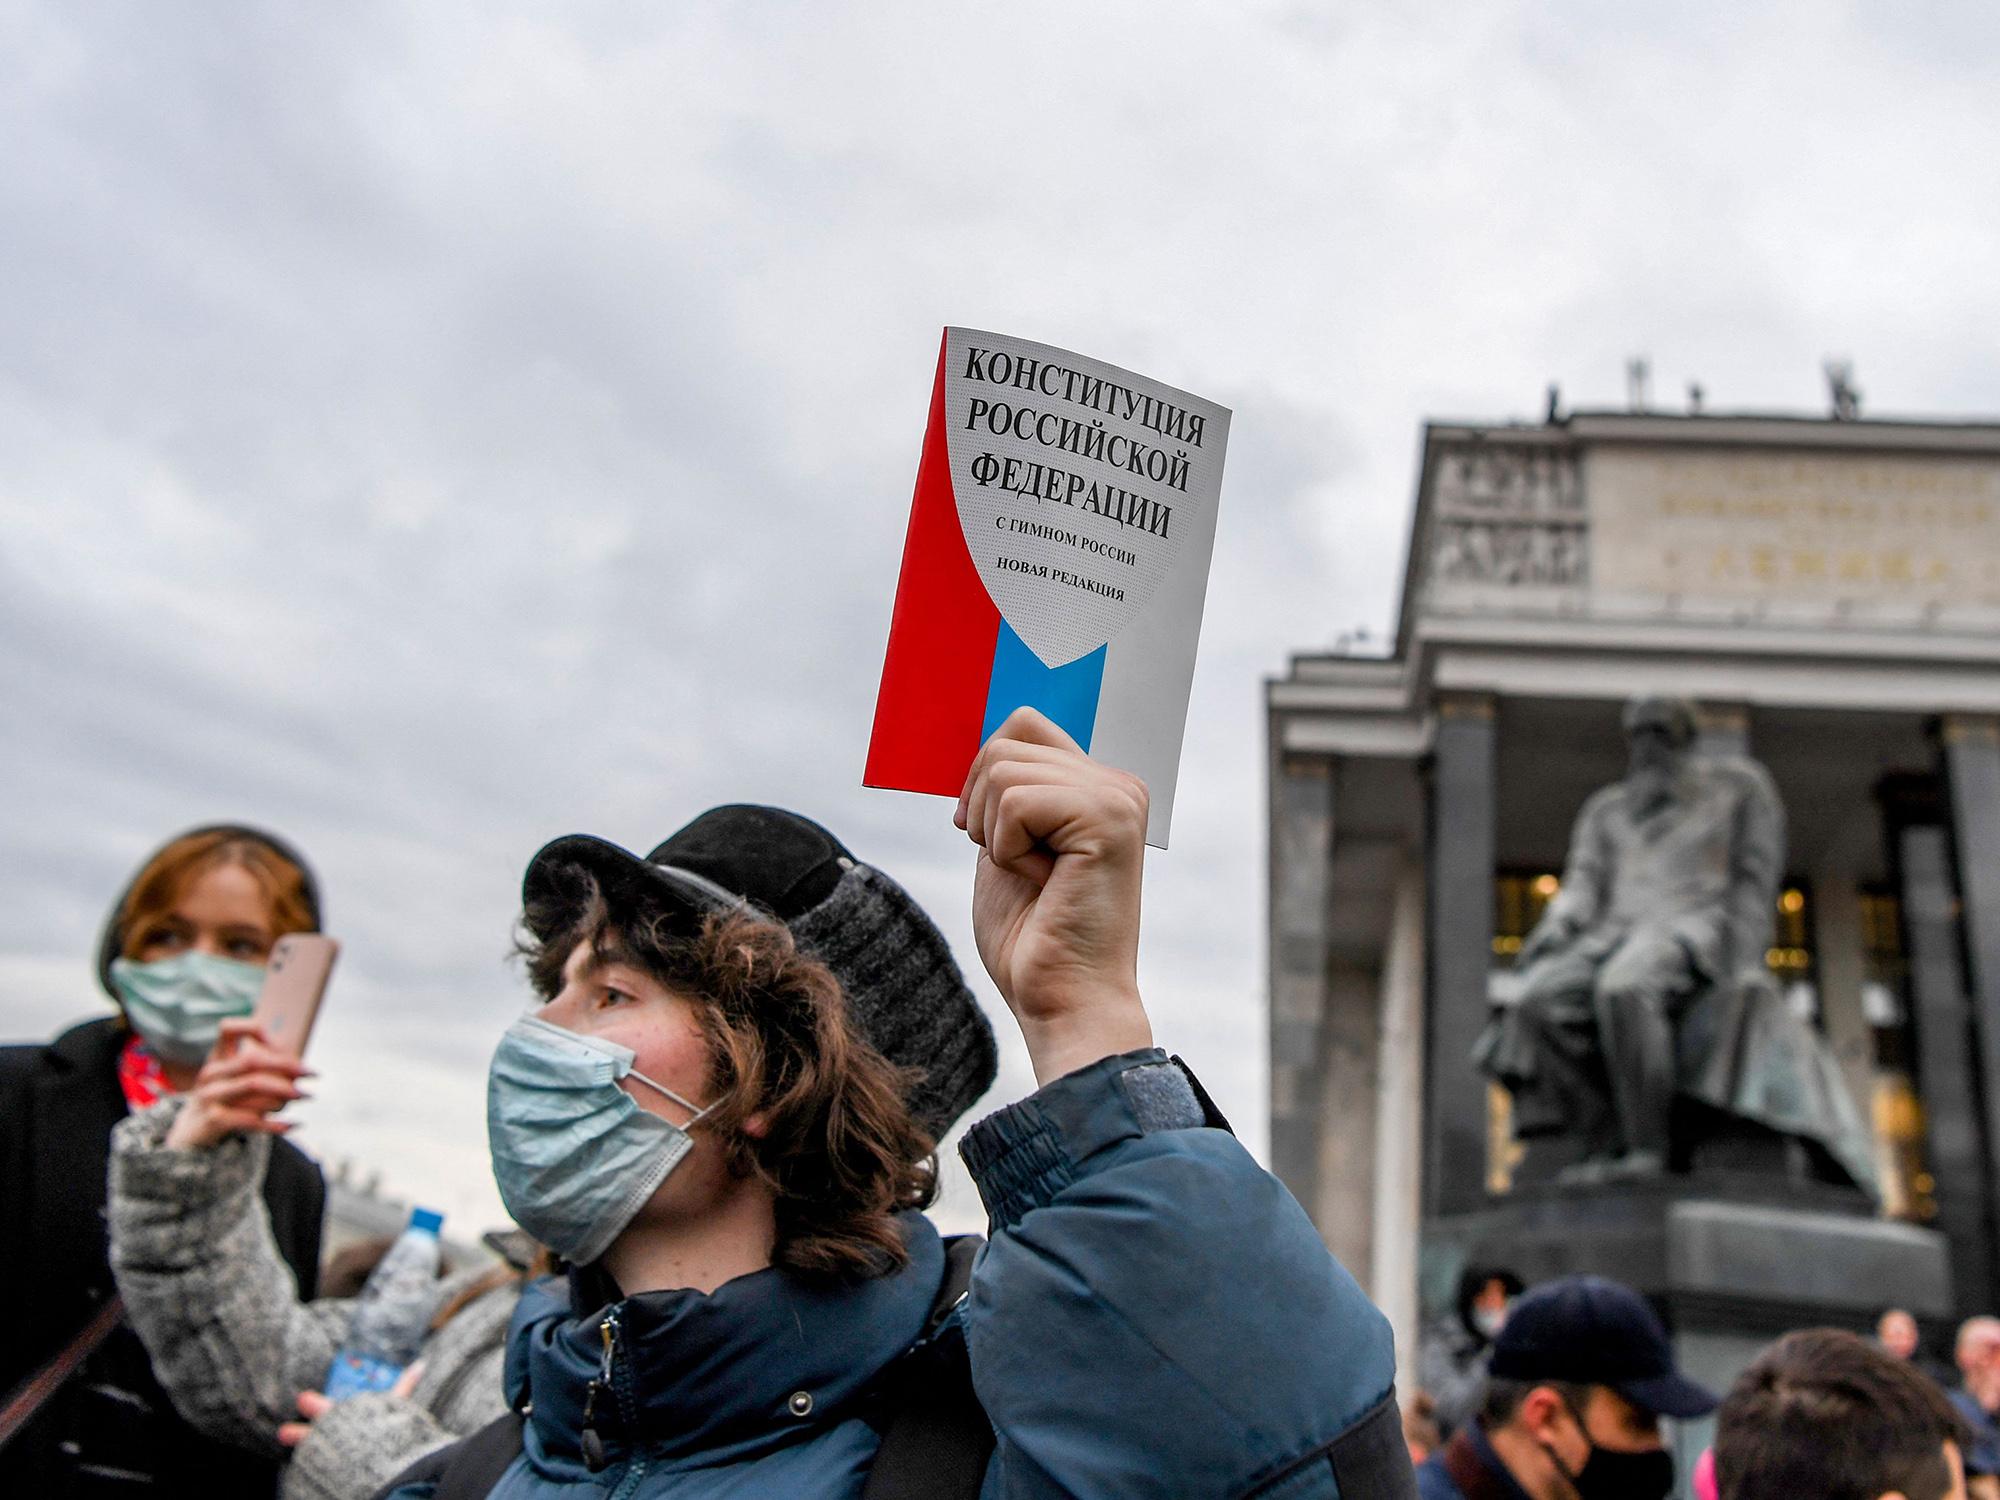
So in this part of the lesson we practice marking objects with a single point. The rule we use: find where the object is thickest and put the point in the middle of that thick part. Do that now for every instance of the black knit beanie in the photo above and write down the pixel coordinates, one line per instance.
(908, 996)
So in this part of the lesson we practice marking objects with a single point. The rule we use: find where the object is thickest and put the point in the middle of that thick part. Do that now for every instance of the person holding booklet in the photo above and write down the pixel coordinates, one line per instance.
(695, 1120)
(184, 947)
(723, 1117)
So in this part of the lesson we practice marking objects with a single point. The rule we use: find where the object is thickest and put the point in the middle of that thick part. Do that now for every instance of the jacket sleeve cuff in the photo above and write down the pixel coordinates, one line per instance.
(168, 1206)
(1023, 1156)
(360, 1445)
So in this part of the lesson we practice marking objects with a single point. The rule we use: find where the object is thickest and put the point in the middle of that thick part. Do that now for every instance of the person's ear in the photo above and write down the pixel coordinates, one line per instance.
(756, 1126)
(1539, 1410)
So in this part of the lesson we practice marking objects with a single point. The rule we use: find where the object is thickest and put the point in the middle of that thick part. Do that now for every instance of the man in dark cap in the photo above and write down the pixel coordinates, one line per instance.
(1581, 1375)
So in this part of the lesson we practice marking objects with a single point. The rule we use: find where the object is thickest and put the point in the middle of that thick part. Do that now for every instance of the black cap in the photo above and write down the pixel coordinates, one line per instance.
(779, 862)
(111, 942)
(904, 987)
(1594, 1331)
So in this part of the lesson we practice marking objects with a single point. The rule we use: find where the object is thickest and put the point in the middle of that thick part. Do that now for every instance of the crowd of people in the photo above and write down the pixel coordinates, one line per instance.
(717, 1125)
(718, 1121)
(1561, 1392)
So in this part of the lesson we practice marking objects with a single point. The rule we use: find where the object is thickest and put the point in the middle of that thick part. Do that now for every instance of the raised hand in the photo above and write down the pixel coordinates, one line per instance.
(1055, 901)
(242, 1086)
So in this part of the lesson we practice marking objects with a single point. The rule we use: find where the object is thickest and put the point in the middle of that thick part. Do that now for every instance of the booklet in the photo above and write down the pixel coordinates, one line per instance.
(1057, 556)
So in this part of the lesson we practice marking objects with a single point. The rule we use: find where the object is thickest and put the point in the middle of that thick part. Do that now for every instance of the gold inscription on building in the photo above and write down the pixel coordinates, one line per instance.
(1841, 530)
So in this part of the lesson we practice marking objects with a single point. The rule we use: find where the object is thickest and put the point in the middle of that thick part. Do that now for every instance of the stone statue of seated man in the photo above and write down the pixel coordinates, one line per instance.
(1668, 896)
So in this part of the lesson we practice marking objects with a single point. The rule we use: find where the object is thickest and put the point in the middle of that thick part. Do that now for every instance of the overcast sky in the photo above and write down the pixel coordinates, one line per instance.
(429, 429)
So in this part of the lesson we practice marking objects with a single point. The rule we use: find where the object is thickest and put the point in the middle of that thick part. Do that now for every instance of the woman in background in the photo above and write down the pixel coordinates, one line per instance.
(1451, 1360)
(184, 949)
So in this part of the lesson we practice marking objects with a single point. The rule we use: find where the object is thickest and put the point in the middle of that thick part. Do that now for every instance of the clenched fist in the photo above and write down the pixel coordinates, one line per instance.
(1055, 902)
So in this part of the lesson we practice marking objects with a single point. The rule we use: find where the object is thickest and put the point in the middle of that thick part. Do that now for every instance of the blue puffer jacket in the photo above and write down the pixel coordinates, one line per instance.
(1154, 1316)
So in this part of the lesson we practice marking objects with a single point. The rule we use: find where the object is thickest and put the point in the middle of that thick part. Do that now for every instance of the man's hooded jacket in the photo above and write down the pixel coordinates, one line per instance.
(1154, 1316)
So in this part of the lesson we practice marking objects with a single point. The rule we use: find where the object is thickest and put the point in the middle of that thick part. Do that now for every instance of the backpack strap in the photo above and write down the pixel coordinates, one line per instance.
(32, 1394)
(469, 1468)
(961, 1253)
(937, 1440)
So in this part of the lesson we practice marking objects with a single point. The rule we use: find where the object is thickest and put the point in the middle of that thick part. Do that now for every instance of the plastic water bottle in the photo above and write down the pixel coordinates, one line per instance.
(393, 1313)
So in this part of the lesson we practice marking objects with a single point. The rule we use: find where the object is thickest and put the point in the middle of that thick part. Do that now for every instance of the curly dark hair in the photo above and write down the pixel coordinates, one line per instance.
(840, 1153)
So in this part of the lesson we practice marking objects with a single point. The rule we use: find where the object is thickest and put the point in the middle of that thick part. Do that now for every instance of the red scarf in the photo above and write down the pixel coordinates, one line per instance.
(140, 1074)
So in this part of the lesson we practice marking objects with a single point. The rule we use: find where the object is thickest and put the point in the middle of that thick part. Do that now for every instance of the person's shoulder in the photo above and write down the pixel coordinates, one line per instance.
(1605, 800)
(290, 1163)
(1968, 1408)
(80, 1048)
(20, 1060)
(80, 1063)
(1735, 773)
(21, 1063)
(1448, 1337)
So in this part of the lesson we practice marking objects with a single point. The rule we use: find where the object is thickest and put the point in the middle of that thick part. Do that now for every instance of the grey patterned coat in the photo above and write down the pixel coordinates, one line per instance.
(232, 1344)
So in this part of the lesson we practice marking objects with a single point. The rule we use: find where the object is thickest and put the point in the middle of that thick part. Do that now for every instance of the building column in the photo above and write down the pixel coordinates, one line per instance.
(1349, 1082)
(1955, 1140)
(1972, 780)
(1301, 872)
(1399, 1124)
(1459, 952)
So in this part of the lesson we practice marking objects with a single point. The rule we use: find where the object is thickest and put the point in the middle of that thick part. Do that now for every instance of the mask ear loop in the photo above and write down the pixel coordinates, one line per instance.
(1555, 1457)
(698, 1112)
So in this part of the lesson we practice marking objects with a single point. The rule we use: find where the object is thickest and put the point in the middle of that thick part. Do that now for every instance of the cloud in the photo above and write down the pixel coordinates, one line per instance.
(431, 430)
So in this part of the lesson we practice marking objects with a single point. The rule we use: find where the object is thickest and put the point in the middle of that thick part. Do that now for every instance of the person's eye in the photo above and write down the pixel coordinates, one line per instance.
(612, 995)
(164, 937)
(247, 949)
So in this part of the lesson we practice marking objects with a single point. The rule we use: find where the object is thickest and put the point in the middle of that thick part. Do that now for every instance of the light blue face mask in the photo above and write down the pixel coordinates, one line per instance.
(575, 1156)
(178, 1004)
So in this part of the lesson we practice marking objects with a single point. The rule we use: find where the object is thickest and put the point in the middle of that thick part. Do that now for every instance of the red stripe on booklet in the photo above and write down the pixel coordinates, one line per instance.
(941, 638)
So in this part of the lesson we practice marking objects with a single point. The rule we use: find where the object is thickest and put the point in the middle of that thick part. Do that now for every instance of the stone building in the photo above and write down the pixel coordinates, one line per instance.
(1828, 592)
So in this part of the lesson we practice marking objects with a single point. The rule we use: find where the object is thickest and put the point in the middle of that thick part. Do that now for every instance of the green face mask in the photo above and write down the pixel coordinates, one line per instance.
(178, 1004)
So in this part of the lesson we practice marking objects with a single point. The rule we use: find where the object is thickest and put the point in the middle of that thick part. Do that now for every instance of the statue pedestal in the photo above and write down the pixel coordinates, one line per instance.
(1730, 1262)
(1753, 1252)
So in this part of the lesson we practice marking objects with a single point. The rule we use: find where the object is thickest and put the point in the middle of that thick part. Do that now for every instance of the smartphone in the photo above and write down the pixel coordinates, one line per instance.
(294, 981)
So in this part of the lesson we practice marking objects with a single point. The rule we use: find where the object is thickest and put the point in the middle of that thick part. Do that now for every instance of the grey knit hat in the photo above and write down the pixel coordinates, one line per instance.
(905, 989)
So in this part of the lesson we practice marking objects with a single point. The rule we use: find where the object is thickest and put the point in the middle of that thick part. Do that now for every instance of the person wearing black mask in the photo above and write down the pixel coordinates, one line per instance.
(1580, 1376)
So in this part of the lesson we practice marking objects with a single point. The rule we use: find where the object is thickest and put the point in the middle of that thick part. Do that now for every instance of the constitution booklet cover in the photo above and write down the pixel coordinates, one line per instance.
(1057, 556)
